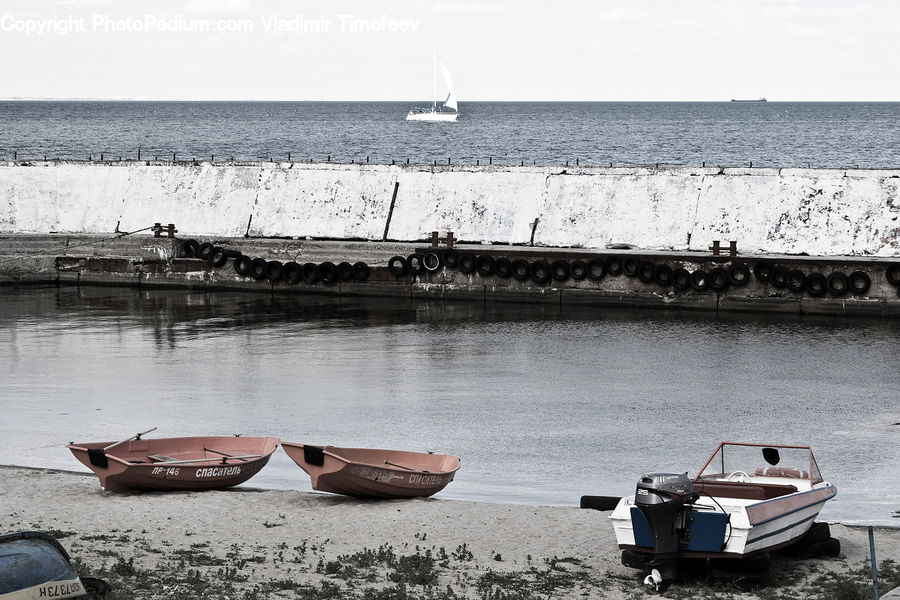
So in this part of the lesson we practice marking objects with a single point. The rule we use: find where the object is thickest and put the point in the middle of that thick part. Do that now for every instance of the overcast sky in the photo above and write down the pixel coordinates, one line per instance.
(495, 49)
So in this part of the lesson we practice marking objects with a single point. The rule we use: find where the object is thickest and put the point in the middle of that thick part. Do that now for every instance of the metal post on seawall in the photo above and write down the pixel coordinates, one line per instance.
(874, 564)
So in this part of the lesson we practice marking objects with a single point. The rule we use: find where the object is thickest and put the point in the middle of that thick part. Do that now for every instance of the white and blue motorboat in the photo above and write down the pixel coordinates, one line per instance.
(747, 499)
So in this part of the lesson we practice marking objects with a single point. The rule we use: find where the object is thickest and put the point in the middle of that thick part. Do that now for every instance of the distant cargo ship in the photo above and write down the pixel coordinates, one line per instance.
(752, 100)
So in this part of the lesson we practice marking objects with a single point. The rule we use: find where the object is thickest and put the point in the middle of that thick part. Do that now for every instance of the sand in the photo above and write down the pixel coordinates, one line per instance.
(260, 543)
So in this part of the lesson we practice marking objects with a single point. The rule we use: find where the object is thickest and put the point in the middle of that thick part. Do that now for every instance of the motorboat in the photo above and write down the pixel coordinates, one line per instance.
(178, 463)
(373, 473)
(746, 499)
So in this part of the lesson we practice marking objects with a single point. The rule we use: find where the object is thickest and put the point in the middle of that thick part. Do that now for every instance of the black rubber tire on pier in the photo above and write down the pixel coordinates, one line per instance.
(614, 265)
(738, 274)
(599, 502)
(274, 271)
(414, 264)
(431, 261)
(466, 263)
(309, 272)
(630, 265)
(345, 271)
(540, 272)
(231, 252)
(204, 250)
(559, 269)
(397, 266)
(860, 282)
(796, 281)
(578, 269)
(258, 268)
(361, 271)
(327, 272)
(718, 279)
(484, 264)
(645, 271)
(837, 283)
(892, 272)
(503, 268)
(521, 270)
(699, 280)
(242, 265)
(217, 257)
(662, 275)
(778, 277)
(763, 270)
(816, 285)
(292, 272)
(450, 258)
(597, 269)
(681, 279)
(190, 248)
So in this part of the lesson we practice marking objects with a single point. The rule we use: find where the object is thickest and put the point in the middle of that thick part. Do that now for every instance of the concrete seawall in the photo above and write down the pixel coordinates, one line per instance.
(58, 224)
(790, 211)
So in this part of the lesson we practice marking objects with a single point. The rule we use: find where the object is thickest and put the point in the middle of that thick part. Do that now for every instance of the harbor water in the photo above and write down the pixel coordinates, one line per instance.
(542, 403)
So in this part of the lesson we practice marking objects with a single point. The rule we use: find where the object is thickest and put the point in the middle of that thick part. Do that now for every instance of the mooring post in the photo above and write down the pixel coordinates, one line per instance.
(872, 560)
(139, 154)
(173, 157)
(490, 160)
(212, 158)
(289, 157)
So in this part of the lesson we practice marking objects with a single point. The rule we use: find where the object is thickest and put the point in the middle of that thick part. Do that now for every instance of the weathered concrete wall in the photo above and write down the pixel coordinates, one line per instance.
(793, 211)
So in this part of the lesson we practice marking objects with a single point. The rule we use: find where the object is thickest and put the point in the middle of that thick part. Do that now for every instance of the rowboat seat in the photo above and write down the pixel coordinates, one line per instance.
(738, 489)
(161, 458)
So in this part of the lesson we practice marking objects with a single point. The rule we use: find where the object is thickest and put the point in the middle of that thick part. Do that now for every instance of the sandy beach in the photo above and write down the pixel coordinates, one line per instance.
(248, 543)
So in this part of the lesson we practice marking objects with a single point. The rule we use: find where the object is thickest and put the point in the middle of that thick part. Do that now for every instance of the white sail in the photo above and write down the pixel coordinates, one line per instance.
(433, 113)
(450, 102)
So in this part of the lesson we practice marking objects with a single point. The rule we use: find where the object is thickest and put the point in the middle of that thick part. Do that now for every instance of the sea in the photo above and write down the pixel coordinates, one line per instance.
(731, 134)
(543, 404)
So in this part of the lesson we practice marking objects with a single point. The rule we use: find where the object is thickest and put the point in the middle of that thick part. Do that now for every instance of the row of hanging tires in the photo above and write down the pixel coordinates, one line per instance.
(815, 284)
(274, 270)
(543, 272)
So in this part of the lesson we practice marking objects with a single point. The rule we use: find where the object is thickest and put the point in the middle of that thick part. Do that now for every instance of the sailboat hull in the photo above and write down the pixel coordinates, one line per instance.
(432, 116)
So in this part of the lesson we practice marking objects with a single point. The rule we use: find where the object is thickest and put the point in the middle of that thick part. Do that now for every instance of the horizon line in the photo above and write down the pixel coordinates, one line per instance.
(107, 99)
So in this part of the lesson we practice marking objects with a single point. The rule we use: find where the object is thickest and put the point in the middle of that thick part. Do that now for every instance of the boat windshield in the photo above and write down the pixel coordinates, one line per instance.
(759, 460)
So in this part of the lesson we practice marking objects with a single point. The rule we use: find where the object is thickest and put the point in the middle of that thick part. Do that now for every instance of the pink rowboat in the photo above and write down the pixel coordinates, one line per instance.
(373, 473)
(183, 463)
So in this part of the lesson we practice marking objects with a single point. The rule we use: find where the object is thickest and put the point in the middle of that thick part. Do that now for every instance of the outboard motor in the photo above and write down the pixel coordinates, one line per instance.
(664, 499)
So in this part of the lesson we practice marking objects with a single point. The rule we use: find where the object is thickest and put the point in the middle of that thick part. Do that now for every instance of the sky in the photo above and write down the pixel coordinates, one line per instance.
(496, 50)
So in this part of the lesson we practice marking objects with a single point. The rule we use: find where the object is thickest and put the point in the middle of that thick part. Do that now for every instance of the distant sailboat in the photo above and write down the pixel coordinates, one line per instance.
(433, 112)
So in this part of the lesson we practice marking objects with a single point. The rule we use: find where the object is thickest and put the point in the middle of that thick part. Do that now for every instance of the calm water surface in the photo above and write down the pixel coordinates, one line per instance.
(783, 134)
(542, 404)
